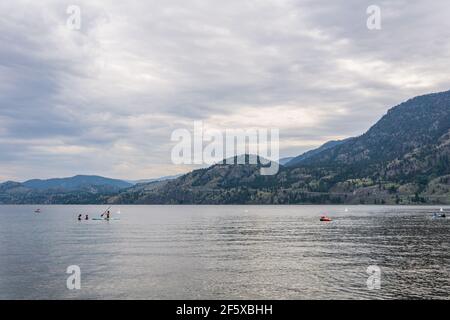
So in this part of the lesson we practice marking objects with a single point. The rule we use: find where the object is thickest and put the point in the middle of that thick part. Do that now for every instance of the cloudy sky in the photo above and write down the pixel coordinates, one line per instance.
(104, 99)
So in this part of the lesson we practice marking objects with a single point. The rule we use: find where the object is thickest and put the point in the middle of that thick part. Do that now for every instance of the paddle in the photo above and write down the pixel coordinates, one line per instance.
(105, 212)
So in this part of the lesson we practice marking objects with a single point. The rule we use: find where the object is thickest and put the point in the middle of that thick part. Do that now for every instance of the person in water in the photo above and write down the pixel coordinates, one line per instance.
(86, 217)
(79, 217)
(107, 213)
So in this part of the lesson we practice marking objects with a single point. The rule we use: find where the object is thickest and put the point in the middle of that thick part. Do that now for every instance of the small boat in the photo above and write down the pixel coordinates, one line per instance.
(37, 211)
(325, 218)
(439, 215)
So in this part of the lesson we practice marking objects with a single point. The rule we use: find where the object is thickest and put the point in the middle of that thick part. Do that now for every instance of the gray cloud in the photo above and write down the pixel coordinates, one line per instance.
(106, 98)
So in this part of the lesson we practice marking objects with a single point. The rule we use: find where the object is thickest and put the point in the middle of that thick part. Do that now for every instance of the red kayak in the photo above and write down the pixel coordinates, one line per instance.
(324, 218)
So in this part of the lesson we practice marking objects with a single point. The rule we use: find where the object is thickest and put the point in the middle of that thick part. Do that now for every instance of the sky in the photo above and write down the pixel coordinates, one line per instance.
(104, 99)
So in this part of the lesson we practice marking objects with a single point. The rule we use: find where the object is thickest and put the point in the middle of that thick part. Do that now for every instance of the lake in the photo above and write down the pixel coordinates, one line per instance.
(224, 252)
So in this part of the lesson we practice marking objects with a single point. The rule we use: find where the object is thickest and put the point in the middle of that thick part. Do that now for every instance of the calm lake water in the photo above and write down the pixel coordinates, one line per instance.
(224, 252)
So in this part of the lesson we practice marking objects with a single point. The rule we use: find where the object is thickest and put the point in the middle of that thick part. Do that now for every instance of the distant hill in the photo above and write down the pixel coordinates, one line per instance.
(163, 178)
(76, 183)
(218, 184)
(77, 189)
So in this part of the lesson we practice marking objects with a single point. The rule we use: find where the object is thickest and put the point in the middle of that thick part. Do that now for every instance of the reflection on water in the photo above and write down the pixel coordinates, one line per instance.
(218, 252)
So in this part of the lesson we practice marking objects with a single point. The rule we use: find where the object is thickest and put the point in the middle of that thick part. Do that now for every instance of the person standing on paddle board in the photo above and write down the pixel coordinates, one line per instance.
(107, 213)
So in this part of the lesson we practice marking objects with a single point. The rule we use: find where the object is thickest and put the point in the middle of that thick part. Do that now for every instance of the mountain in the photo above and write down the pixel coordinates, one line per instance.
(284, 161)
(295, 161)
(410, 141)
(9, 185)
(78, 189)
(163, 178)
(402, 159)
(76, 183)
(219, 184)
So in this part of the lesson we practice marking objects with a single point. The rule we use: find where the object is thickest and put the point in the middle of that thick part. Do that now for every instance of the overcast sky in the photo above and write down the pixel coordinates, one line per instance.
(104, 99)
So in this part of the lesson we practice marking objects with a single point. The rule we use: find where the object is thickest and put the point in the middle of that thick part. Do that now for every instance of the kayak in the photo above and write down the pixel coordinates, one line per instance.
(325, 219)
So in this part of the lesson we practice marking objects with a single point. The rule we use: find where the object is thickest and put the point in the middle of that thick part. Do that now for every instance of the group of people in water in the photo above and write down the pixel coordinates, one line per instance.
(107, 213)
(86, 217)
